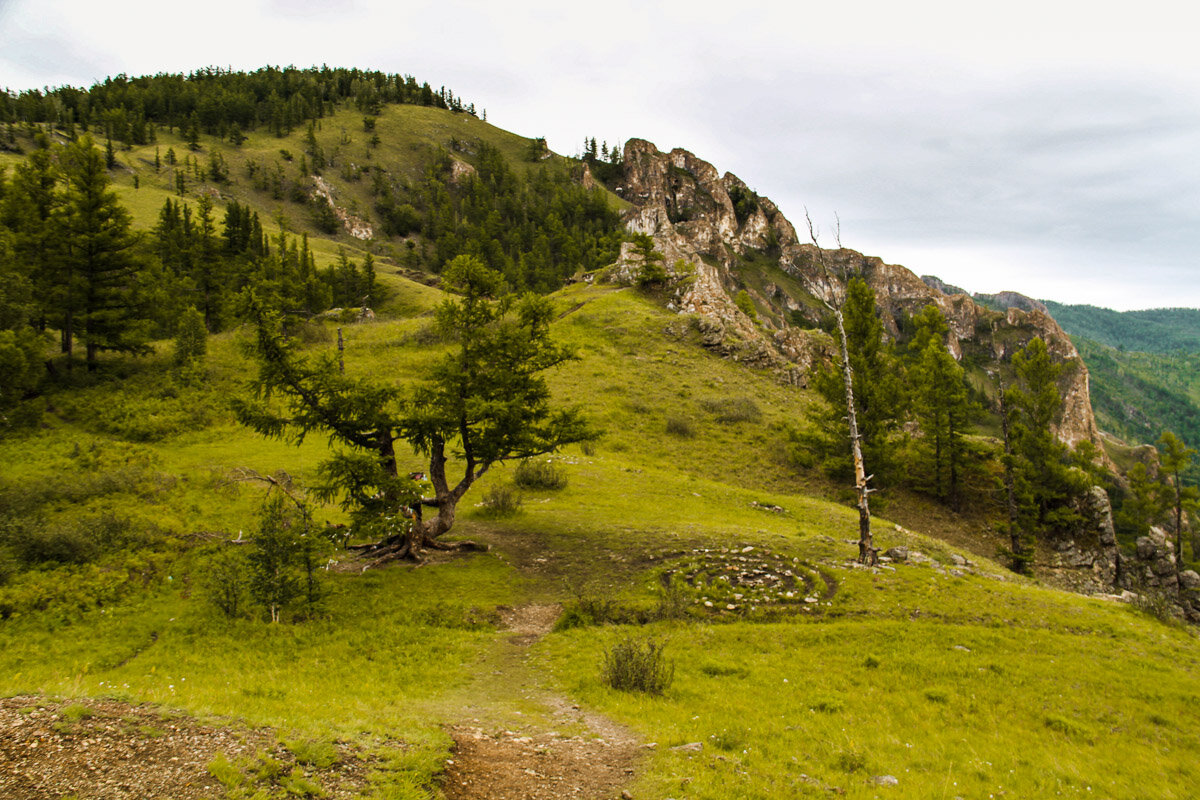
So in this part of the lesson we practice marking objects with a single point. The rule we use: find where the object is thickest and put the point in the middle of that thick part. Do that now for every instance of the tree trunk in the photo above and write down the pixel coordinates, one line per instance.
(867, 552)
(1020, 560)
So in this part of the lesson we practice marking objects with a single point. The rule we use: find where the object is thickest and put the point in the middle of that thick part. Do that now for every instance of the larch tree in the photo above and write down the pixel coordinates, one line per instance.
(101, 306)
(1175, 457)
(484, 403)
(941, 403)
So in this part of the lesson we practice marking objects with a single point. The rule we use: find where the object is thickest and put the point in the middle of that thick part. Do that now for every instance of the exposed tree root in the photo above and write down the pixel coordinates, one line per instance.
(405, 549)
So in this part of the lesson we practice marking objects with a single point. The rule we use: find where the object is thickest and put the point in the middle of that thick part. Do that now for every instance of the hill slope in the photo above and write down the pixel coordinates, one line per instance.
(921, 671)
(797, 672)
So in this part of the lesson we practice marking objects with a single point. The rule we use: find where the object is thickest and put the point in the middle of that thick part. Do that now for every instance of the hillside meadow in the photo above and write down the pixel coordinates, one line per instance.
(796, 673)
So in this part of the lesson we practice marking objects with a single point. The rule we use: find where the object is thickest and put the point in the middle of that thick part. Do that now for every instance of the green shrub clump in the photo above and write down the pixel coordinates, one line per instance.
(633, 666)
(546, 475)
(501, 500)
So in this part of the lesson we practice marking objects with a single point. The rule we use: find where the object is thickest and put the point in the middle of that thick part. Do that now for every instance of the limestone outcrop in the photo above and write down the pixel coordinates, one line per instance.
(718, 231)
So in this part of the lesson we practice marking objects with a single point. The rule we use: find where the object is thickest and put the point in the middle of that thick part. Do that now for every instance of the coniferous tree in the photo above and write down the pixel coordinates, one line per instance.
(940, 403)
(1046, 483)
(878, 396)
(1175, 457)
(101, 304)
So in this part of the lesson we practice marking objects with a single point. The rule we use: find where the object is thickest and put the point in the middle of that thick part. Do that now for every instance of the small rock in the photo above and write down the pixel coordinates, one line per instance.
(885, 780)
(897, 554)
(957, 560)
(625, 795)
(960, 647)
(690, 747)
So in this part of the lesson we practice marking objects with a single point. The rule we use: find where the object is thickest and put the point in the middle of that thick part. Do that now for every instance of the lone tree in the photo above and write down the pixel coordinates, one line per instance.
(1176, 457)
(867, 552)
(484, 403)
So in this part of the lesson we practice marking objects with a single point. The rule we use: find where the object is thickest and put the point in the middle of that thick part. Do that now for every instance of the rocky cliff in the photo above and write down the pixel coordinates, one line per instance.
(731, 240)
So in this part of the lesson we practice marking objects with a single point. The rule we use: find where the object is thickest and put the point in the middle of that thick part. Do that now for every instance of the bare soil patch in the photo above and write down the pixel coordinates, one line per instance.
(111, 750)
(571, 753)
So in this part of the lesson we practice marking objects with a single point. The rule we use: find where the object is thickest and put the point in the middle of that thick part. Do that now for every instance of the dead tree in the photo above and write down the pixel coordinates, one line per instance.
(867, 552)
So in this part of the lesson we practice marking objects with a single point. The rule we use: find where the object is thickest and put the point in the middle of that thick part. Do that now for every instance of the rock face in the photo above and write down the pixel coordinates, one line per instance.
(717, 229)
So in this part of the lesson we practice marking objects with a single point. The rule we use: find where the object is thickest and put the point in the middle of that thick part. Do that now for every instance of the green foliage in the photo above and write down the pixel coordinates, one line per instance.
(878, 393)
(651, 274)
(227, 581)
(940, 404)
(745, 304)
(732, 409)
(1157, 330)
(1136, 395)
(191, 340)
(284, 558)
(501, 500)
(1045, 481)
(540, 474)
(632, 665)
(536, 231)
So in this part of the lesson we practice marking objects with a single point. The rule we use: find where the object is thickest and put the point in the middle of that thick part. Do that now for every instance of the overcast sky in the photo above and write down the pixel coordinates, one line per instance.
(1051, 148)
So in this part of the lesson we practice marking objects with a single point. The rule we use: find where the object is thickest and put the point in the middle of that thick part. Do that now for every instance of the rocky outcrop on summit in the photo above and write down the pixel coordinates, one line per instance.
(728, 239)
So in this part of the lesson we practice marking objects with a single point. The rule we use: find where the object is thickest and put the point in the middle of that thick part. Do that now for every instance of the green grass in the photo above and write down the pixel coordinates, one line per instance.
(958, 686)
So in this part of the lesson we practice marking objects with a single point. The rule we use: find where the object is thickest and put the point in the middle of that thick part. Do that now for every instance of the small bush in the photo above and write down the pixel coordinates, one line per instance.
(733, 409)
(227, 582)
(680, 426)
(546, 475)
(633, 666)
(745, 305)
(501, 500)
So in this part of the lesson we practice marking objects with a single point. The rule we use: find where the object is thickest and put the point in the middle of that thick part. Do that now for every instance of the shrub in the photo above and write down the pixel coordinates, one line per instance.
(501, 500)
(633, 666)
(531, 474)
(733, 409)
(680, 426)
(191, 339)
(746, 305)
(226, 581)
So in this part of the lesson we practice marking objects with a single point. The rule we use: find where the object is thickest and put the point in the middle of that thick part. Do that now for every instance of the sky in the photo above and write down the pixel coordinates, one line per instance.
(1045, 147)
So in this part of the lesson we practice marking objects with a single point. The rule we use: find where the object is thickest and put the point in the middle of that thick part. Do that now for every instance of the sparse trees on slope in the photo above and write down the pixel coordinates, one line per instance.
(485, 402)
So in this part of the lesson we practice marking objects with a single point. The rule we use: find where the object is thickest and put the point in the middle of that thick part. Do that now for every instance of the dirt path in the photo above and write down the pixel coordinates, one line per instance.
(521, 741)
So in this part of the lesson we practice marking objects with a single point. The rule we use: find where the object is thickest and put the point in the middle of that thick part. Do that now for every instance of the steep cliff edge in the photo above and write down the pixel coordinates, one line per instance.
(733, 240)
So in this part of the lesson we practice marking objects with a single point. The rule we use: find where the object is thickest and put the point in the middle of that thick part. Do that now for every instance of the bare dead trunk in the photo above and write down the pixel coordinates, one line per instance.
(867, 552)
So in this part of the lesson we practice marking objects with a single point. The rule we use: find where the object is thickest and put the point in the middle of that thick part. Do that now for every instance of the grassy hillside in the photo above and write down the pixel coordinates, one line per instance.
(955, 680)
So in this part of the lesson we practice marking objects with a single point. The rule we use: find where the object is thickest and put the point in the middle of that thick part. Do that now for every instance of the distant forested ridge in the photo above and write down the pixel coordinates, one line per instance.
(216, 102)
(1155, 330)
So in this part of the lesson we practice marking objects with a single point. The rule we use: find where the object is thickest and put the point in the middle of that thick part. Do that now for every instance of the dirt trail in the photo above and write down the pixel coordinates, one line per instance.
(521, 741)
